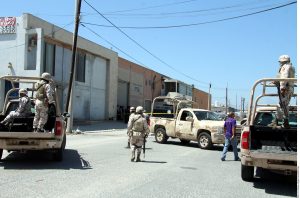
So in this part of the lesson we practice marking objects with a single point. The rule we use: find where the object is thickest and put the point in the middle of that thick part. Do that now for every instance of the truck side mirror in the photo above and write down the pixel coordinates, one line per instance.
(189, 118)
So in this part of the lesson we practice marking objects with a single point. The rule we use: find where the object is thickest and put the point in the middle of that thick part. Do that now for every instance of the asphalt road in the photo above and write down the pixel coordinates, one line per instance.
(98, 165)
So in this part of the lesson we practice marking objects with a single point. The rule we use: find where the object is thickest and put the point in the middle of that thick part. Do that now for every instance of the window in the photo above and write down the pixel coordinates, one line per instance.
(80, 67)
(31, 52)
(185, 114)
(49, 58)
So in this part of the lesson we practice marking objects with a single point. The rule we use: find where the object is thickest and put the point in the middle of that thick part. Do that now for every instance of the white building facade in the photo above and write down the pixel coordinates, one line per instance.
(34, 46)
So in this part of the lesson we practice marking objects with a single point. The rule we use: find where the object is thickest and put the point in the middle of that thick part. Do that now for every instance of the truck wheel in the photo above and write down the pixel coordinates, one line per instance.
(58, 154)
(161, 136)
(247, 173)
(204, 140)
(184, 142)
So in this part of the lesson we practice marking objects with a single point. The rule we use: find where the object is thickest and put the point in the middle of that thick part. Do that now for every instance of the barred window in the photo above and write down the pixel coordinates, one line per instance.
(80, 67)
(49, 58)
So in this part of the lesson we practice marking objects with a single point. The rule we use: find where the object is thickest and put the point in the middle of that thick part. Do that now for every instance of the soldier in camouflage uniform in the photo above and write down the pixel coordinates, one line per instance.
(132, 112)
(138, 130)
(24, 108)
(286, 70)
(44, 97)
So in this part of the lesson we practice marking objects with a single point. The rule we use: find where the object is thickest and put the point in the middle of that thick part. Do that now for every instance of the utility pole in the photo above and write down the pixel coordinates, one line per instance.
(226, 107)
(74, 47)
(236, 102)
(208, 103)
(243, 99)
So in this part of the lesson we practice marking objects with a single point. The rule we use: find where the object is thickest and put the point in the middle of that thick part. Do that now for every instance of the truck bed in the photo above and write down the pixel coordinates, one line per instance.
(269, 140)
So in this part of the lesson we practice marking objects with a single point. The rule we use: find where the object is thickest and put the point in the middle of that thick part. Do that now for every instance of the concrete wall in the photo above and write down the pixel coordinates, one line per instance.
(144, 84)
(95, 98)
(201, 98)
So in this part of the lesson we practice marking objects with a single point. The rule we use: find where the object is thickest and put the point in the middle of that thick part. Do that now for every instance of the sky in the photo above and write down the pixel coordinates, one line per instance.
(228, 43)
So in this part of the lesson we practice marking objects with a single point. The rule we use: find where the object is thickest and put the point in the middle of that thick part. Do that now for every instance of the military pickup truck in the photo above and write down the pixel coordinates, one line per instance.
(264, 143)
(19, 135)
(176, 118)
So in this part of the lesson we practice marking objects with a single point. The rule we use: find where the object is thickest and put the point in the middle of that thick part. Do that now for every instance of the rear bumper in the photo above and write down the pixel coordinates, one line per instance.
(272, 161)
(19, 144)
(29, 141)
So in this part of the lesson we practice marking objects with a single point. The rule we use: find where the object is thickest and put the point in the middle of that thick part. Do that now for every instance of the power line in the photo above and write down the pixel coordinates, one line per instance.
(184, 12)
(156, 57)
(150, 7)
(191, 24)
(113, 45)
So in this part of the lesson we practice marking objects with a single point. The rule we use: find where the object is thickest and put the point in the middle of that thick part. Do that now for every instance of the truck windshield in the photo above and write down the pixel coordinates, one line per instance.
(207, 115)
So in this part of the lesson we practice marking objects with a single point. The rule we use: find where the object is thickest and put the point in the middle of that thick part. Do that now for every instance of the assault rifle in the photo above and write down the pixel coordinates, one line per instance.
(144, 146)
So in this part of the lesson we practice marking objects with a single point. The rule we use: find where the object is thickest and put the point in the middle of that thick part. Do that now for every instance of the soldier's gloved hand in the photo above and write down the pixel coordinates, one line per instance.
(277, 83)
(146, 135)
(283, 91)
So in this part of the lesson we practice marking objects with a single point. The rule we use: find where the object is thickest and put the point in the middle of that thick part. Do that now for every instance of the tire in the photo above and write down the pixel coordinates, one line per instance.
(247, 172)
(204, 141)
(184, 142)
(161, 136)
(58, 154)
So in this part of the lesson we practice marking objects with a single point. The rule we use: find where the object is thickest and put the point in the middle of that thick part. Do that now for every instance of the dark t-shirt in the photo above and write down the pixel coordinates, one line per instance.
(229, 124)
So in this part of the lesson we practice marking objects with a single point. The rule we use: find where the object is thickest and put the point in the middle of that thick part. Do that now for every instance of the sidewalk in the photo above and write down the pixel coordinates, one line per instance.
(97, 126)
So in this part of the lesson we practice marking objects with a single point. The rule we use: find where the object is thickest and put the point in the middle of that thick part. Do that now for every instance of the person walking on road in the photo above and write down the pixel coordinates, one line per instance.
(230, 139)
(44, 97)
(285, 89)
(132, 112)
(138, 130)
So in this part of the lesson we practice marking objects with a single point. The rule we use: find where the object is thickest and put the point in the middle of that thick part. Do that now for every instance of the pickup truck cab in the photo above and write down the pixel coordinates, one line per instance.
(264, 144)
(187, 123)
(19, 135)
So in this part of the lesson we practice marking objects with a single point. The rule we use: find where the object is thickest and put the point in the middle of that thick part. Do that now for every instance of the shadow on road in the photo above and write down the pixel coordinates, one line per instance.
(195, 145)
(43, 160)
(276, 184)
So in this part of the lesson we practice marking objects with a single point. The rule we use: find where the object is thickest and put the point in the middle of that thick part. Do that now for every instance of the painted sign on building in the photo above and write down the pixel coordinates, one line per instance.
(7, 25)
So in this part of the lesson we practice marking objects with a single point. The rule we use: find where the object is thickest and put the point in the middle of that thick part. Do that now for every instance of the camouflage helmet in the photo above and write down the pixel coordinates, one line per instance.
(23, 91)
(132, 109)
(284, 58)
(139, 109)
(46, 76)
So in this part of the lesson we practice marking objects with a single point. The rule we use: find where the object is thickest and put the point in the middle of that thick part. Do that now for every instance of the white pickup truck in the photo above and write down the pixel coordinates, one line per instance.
(263, 144)
(19, 135)
(175, 118)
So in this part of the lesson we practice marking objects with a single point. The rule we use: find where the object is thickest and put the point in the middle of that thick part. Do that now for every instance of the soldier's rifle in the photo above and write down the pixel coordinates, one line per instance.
(144, 146)
(285, 136)
(280, 99)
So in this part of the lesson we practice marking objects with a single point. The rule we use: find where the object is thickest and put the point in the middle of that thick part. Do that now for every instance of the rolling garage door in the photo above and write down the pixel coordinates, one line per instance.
(98, 90)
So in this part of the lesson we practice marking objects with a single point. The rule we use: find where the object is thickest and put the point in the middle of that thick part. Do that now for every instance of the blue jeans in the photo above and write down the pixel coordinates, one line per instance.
(233, 142)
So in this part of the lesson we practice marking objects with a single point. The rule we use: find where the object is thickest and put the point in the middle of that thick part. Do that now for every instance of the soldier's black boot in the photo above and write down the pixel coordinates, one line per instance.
(132, 156)
(128, 145)
(138, 159)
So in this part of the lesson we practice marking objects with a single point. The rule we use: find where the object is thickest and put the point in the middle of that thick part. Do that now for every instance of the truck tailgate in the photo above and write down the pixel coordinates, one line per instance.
(26, 135)
(277, 155)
